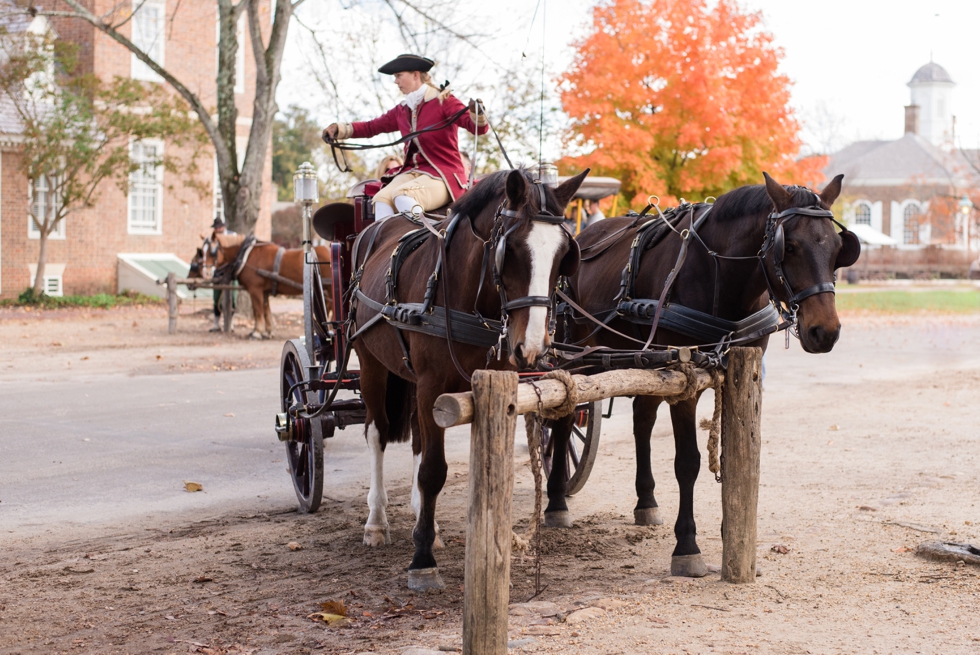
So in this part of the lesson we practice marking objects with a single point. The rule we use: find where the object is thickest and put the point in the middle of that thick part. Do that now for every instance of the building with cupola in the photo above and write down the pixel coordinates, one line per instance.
(912, 200)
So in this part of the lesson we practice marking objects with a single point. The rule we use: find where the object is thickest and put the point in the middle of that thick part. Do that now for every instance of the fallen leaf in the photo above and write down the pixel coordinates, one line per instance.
(866, 508)
(84, 358)
(202, 579)
(902, 549)
(294, 546)
(192, 486)
(834, 428)
(329, 619)
(779, 548)
(159, 356)
(334, 607)
(57, 344)
(229, 414)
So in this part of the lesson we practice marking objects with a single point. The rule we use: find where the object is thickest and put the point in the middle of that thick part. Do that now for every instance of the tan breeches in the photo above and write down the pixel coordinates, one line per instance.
(427, 191)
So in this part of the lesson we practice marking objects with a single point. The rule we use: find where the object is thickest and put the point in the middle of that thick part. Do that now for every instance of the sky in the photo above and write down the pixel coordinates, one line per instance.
(850, 60)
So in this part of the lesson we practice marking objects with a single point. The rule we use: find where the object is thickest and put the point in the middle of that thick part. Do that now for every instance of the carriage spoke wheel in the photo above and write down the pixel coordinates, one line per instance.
(315, 311)
(305, 453)
(582, 446)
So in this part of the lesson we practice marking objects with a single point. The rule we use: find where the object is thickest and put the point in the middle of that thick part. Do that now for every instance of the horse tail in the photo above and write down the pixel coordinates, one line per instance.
(399, 406)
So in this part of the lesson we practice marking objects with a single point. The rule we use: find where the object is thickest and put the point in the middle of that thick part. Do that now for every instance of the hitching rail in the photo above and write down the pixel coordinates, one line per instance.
(227, 310)
(492, 408)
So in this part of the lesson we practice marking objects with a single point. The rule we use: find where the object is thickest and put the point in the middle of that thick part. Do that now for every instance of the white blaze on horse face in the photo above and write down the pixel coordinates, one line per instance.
(376, 528)
(543, 242)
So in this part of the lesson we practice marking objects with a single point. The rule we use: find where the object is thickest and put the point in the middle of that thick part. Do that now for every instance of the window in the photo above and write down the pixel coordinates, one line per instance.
(862, 214)
(146, 188)
(44, 205)
(910, 234)
(148, 36)
(219, 203)
(52, 285)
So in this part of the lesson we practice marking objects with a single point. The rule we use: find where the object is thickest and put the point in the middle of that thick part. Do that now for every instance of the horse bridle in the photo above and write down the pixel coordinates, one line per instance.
(498, 240)
(775, 240)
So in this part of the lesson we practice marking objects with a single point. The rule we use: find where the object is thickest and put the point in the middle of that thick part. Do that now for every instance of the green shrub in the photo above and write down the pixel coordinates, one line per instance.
(99, 300)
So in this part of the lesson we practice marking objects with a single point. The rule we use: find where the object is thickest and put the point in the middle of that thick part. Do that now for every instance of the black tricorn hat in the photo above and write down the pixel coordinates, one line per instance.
(403, 63)
(218, 222)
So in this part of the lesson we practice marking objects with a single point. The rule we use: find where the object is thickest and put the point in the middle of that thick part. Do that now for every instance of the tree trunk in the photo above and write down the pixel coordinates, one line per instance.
(42, 257)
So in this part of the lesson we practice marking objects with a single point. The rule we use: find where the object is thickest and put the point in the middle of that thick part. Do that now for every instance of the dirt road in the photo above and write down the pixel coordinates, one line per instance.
(867, 452)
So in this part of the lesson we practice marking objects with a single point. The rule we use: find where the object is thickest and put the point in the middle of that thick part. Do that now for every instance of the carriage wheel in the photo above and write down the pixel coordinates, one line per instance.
(305, 453)
(582, 447)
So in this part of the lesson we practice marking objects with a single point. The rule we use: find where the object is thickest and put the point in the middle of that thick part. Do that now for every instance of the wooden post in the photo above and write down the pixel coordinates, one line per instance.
(227, 309)
(741, 446)
(172, 302)
(488, 524)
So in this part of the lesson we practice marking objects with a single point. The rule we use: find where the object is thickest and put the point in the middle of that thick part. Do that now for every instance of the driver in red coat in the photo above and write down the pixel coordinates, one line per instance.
(433, 174)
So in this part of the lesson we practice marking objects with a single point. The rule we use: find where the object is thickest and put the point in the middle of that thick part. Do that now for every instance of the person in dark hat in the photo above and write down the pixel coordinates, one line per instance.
(433, 173)
(218, 227)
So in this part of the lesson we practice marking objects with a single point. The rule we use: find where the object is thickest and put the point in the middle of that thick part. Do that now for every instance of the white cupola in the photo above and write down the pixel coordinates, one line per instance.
(932, 91)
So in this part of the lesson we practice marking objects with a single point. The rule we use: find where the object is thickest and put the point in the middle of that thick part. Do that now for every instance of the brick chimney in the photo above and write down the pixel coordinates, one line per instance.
(912, 119)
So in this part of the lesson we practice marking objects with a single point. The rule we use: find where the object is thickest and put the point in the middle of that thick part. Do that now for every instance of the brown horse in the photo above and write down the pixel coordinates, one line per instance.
(513, 225)
(262, 257)
(758, 251)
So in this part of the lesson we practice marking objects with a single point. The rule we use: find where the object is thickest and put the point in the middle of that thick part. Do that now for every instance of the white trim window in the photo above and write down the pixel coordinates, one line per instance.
(145, 199)
(219, 202)
(911, 224)
(149, 18)
(44, 204)
(862, 213)
(53, 278)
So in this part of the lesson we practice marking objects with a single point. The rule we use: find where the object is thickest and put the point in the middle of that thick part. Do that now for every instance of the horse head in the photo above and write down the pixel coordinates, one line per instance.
(803, 251)
(532, 249)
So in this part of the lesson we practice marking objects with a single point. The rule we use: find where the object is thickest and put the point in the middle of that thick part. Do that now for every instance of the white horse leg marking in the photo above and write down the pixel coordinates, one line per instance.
(417, 501)
(376, 529)
(543, 242)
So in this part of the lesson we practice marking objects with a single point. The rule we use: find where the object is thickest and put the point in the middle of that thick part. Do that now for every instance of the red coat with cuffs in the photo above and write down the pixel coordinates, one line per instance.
(433, 153)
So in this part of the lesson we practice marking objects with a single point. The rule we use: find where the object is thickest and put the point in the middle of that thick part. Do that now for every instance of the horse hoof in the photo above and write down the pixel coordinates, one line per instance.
(375, 536)
(256, 336)
(647, 516)
(422, 580)
(560, 519)
(688, 566)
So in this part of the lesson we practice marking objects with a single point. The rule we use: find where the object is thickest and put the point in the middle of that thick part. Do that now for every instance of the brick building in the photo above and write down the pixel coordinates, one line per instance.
(157, 215)
(910, 198)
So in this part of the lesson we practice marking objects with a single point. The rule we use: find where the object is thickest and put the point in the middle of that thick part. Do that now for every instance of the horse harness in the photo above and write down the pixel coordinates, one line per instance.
(714, 331)
(470, 328)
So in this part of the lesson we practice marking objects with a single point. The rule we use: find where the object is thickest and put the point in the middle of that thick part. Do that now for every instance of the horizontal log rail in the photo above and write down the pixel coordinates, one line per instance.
(452, 409)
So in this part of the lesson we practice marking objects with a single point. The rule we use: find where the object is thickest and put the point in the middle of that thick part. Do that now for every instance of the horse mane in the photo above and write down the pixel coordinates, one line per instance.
(490, 189)
(754, 200)
(229, 240)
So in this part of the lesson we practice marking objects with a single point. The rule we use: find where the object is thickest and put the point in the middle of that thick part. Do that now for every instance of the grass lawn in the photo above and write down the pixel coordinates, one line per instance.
(902, 301)
(99, 300)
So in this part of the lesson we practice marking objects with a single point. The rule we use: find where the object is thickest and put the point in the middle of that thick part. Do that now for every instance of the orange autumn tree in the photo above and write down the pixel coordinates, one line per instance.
(679, 100)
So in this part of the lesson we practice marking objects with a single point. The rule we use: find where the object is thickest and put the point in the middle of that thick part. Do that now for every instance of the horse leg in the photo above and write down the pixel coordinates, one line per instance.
(556, 514)
(646, 511)
(257, 316)
(374, 378)
(687, 560)
(423, 573)
(416, 494)
(267, 307)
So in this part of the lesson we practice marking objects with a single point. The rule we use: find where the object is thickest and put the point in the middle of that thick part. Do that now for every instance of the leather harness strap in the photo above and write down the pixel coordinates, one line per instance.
(275, 269)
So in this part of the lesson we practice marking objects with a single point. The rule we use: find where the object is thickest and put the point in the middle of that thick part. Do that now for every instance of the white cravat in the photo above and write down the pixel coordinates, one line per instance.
(414, 99)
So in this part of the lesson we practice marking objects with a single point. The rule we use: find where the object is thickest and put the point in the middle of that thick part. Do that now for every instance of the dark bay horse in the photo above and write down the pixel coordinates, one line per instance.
(809, 251)
(513, 225)
(262, 257)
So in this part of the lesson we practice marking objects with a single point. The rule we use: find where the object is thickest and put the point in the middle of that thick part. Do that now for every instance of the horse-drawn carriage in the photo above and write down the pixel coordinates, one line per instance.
(761, 259)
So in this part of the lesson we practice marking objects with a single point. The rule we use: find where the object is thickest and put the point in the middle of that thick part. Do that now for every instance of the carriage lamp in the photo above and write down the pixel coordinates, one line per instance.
(548, 174)
(305, 184)
(305, 192)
